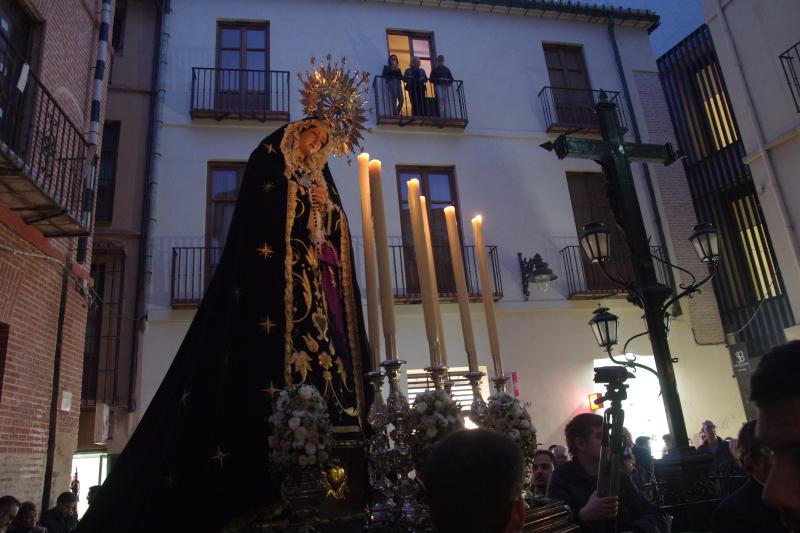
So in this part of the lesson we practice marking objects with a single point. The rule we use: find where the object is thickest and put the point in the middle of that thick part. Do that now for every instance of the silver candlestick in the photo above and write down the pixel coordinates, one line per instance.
(478, 404)
(499, 383)
(438, 376)
(383, 505)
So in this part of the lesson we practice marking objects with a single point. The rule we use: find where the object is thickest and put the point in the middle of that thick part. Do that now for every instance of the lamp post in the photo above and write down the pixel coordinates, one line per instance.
(614, 155)
(536, 271)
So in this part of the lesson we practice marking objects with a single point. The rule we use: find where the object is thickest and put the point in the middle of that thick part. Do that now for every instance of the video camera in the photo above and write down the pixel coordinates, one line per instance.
(611, 374)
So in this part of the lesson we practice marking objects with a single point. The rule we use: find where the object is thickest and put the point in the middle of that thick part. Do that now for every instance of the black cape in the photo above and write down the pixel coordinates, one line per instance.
(199, 457)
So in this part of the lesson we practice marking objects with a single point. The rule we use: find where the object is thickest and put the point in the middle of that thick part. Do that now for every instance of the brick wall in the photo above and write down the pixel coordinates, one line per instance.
(677, 211)
(30, 286)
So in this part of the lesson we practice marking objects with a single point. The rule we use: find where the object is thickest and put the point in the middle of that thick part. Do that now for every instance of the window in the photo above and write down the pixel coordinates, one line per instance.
(587, 191)
(715, 104)
(242, 63)
(437, 185)
(760, 263)
(571, 90)
(4, 333)
(103, 325)
(406, 45)
(224, 180)
(118, 34)
(108, 172)
(419, 381)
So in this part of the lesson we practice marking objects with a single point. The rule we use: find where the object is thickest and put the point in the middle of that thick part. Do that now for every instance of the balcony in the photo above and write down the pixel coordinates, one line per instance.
(42, 153)
(440, 105)
(193, 267)
(790, 61)
(586, 280)
(570, 110)
(406, 280)
(221, 93)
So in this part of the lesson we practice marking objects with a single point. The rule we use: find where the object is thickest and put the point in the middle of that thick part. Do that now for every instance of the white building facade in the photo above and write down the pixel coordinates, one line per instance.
(758, 44)
(485, 158)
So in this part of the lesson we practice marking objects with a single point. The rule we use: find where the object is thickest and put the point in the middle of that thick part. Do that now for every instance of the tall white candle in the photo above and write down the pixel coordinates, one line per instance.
(370, 262)
(421, 256)
(461, 286)
(382, 249)
(486, 291)
(432, 283)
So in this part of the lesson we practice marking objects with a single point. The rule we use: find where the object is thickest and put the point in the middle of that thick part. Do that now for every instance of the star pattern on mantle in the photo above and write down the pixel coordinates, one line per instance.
(265, 251)
(268, 187)
(271, 390)
(270, 149)
(220, 457)
(267, 324)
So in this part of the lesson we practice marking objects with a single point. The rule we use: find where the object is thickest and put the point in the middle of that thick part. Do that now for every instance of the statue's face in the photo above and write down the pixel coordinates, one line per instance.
(312, 140)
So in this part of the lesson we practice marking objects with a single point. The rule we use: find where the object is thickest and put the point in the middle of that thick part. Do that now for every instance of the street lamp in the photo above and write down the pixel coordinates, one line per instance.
(605, 327)
(705, 240)
(595, 242)
(667, 323)
(535, 270)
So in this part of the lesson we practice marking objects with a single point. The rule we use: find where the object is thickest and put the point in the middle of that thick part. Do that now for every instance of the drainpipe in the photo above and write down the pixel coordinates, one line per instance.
(645, 168)
(761, 149)
(145, 268)
(94, 127)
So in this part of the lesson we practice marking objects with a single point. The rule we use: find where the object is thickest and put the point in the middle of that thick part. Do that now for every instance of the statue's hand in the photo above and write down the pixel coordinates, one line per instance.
(319, 196)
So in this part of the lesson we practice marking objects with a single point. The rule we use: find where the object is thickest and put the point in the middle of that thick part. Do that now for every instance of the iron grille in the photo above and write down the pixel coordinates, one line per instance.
(790, 61)
(432, 104)
(573, 109)
(240, 93)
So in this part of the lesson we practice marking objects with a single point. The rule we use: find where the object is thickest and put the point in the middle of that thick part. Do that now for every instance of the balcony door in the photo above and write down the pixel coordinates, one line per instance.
(437, 184)
(242, 81)
(572, 95)
(587, 191)
(224, 180)
(16, 36)
(406, 45)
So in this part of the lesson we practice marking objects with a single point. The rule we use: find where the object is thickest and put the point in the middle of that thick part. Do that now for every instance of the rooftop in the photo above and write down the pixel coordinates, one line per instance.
(554, 9)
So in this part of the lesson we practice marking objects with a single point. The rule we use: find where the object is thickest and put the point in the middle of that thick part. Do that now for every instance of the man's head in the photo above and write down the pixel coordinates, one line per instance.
(667, 438)
(478, 465)
(584, 435)
(67, 503)
(709, 430)
(26, 517)
(9, 507)
(415, 62)
(560, 453)
(92, 494)
(643, 442)
(440, 60)
(775, 389)
(751, 453)
(544, 462)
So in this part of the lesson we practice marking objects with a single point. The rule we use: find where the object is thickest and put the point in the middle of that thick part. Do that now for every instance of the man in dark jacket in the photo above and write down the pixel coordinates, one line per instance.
(442, 80)
(575, 483)
(63, 517)
(744, 510)
(415, 85)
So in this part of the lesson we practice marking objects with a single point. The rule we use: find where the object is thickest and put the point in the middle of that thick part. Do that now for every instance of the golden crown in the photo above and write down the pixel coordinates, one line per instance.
(338, 97)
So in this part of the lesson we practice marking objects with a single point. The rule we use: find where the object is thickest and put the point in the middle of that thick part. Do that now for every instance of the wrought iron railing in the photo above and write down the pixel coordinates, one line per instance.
(240, 93)
(573, 109)
(426, 103)
(790, 60)
(193, 267)
(406, 280)
(585, 280)
(38, 140)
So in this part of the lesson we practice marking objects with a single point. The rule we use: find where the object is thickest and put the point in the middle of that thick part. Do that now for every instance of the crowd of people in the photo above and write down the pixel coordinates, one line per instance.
(413, 80)
(484, 466)
(23, 517)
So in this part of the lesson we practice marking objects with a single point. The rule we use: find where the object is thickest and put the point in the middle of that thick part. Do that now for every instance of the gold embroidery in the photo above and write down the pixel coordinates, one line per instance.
(265, 251)
(288, 296)
(267, 325)
(350, 313)
(301, 362)
(311, 344)
(268, 187)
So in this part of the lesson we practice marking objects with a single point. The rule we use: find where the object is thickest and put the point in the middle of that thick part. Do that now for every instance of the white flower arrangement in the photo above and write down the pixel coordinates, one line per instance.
(506, 414)
(301, 428)
(433, 415)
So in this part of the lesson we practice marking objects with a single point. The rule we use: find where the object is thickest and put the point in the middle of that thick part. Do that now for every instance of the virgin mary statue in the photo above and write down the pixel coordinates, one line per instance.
(283, 308)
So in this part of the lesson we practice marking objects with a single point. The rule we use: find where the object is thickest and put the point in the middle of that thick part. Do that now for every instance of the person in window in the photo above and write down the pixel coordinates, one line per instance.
(416, 79)
(392, 82)
(283, 309)
(442, 80)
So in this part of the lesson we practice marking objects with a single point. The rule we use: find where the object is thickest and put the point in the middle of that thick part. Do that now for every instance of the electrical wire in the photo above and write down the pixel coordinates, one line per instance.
(758, 308)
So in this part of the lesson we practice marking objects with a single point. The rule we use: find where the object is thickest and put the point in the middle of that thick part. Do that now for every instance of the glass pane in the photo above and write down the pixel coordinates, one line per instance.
(398, 44)
(421, 47)
(221, 216)
(404, 177)
(426, 66)
(255, 60)
(255, 39)
(439, 187)
(229, 59)
(230, 38)
(224, 184)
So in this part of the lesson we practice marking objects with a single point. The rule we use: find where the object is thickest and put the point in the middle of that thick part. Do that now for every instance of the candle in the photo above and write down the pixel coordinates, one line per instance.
(486, 291)
(421, 256)
(370, 265)
(382, 249)
(461, 286)
(432, 283)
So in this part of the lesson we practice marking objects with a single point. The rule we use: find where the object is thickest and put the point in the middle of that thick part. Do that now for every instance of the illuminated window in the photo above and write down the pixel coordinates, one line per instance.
(419, 381)
(760, 262)
(406, 45)
(717, 111)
